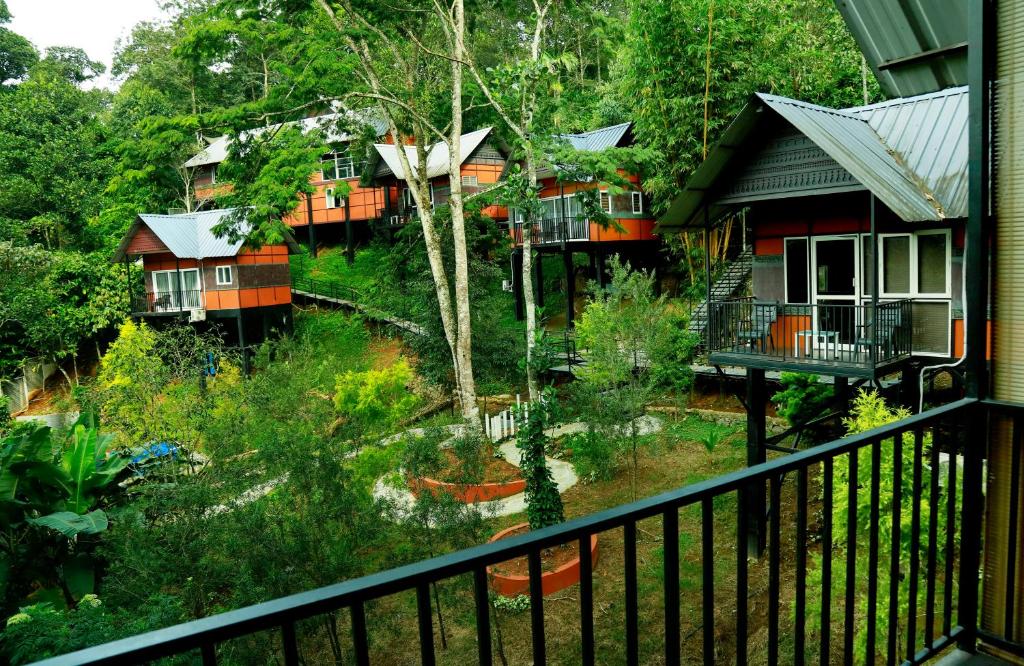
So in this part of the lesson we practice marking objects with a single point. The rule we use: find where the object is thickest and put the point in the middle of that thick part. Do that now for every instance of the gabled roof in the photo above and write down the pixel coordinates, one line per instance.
(217, 150)
(437, 154)
(913, 47)
(190, 235)
(911, 153)
(599, 139)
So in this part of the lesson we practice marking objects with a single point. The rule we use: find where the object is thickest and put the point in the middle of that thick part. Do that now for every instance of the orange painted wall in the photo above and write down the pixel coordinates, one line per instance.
(231, 299)
(634, 228)
(958, 338)
(365, 203)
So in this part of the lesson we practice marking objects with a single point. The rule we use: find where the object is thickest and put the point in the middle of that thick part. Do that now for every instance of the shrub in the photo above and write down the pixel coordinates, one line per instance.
(672, 357)
(593, 455)
(802, 397)
(376, 399)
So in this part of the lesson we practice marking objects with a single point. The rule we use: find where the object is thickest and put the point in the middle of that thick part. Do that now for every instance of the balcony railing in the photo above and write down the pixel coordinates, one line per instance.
(826, 334)
(168, 301)
(885, 567)
(554, 230)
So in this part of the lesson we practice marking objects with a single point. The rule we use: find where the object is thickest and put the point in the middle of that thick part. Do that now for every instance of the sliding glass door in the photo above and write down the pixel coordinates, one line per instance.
(835, 280)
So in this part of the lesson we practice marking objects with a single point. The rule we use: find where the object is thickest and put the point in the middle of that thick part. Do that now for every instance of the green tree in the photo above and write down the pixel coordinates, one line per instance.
(17, 55)
(543, 501)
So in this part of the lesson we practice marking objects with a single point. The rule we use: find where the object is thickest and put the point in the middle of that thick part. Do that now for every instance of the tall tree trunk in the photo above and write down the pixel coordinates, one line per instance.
(528, 296)
(464, 344)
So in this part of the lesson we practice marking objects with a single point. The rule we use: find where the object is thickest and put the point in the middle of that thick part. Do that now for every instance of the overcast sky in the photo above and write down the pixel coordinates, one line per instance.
(93, 25)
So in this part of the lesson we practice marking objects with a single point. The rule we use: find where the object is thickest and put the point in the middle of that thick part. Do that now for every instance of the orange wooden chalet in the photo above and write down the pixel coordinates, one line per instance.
(339, 206)
(483, 162)
(187, 271)
(564, 228)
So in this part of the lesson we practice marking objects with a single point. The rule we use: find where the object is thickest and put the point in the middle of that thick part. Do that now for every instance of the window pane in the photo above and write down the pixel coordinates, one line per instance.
(796, 271)
(931, 327)
(896, 264)
(931, 263)
(867, 263)
(162, 285)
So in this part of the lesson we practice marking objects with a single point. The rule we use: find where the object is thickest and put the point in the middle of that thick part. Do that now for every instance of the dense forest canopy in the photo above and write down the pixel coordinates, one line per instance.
(77, 164)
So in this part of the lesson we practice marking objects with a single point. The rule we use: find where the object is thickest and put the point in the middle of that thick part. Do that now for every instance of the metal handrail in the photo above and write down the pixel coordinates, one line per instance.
(554, 230)
(284, 613)
(180, 300)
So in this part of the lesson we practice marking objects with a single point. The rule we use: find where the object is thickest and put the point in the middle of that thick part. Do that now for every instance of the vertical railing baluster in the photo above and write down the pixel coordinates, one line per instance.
(850, 602)
(895, 549)
(824, 644)
(951, 495)
(632, 615)
(741, 579)
(483, 616)
(426, 624)
(775, 505)
(289, 645)
(933, 537)
(915, 546)
(586, 602)
(707, 562)
(360, 643)
(537, 607)
(799, 634)
(876, 456)
(209, 652)
(670, 538)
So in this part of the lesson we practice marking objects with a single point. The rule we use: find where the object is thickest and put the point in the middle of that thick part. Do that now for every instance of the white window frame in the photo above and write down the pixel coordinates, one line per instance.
(603, 196)
(175, 294)
(329, 198)
(338, 160)
(638, 202)
(471, 181)
(915, 292)
(230, 275)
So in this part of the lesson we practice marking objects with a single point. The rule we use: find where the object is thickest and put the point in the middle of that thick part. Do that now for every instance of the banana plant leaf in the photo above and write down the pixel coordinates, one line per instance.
(71, 524)
(28, 449)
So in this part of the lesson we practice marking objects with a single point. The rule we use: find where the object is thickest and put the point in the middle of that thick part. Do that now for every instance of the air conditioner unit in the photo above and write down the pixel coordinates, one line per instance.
(506, 285)
(197, 314)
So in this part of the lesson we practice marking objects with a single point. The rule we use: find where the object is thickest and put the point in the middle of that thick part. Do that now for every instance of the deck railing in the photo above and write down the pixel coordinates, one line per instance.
(168, 301)
(885, 567)
(824, 333)
(554, 230)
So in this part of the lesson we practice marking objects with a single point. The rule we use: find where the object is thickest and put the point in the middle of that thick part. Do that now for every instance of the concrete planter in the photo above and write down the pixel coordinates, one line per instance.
(468, 493)
(551, 581)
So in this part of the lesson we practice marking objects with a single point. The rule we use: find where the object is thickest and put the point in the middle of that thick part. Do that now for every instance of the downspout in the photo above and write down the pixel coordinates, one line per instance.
(874, 283)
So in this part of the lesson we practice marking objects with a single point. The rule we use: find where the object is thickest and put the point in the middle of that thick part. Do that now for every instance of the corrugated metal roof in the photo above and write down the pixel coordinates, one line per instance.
(597, 140)
(851, 142)
(928, 133)
(913, 46)
(217, 150)
(911, 153)
(437, 154)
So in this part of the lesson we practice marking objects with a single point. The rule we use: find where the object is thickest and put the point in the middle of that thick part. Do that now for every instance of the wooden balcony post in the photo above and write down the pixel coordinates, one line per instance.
(517, 283)
(539, 291)
(309, 225)
(754, 495)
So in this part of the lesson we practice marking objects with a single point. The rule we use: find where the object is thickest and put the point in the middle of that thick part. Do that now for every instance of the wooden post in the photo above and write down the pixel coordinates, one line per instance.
(311, 232)
(241, 344)
(517, 283)
(539, 268)
(754, 495)
(570, 288)
(350, 251)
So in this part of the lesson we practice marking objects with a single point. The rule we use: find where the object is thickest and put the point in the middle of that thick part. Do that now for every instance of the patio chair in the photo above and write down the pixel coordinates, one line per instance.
(880, 336)
(756, 332)
(162, 302)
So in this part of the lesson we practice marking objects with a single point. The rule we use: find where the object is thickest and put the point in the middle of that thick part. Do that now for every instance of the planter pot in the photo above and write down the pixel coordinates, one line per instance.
(550, 581)
(468, 493)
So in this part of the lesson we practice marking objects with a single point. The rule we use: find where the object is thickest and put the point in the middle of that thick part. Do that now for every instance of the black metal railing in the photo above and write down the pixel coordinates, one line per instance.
(326, 289)
(829, 333)
(396, 218)
(873, 546)
(554, 230)
(168, 301)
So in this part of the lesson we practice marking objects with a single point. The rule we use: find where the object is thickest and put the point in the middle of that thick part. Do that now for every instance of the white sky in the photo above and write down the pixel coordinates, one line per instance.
(93, 25)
